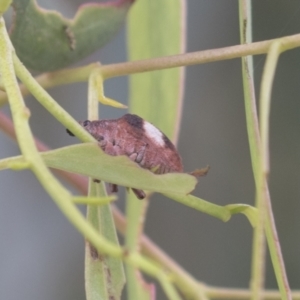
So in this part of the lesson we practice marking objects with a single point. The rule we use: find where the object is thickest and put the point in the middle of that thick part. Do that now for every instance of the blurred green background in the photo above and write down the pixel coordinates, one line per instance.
(41, 254)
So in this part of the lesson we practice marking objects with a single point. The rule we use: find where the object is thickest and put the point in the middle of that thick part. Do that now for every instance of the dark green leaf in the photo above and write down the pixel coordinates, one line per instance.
(154, 29)
(45, 40)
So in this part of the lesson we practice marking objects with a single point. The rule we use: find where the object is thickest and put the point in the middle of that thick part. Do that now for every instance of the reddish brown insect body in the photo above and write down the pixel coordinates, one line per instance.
(142, 142)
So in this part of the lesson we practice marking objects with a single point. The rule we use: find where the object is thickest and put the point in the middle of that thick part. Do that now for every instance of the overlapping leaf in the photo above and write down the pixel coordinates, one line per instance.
(155, 30)
(89, 160)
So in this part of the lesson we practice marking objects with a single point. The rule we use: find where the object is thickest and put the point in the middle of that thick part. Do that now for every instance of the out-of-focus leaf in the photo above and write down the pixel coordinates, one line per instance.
(155, 29)
(96, 201)
(89, 160)
(104, 275)
(44, 40)
(4, 5)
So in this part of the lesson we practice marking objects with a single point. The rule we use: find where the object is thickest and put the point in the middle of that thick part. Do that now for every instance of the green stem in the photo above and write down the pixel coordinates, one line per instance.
(61, 77)
(93, 113)
(170, 291)
(248, 84)
(260, 177)
(265, 100)
(195, 58)
(49, 103)
(217, 211)
(259, 245)
(135, 214)
(261, 169)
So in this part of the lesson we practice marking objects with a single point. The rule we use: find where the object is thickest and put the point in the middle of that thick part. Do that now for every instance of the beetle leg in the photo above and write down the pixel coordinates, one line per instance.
(140, 156)
(113, 188)
(133, 156)
(139, 193)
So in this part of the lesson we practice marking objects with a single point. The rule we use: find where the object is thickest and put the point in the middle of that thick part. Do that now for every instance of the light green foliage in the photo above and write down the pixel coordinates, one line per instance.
(4, 5)
(155, 96)
(89, 160)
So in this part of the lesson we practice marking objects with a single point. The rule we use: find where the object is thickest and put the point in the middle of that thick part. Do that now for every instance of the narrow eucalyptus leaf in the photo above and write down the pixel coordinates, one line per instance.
(88, 159)
(159, 33)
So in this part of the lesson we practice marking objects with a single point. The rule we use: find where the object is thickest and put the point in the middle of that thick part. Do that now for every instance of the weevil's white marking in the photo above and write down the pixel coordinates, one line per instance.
(153, 133)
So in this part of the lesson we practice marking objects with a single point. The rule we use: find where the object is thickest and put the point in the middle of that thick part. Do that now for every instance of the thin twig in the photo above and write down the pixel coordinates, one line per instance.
(195, 58)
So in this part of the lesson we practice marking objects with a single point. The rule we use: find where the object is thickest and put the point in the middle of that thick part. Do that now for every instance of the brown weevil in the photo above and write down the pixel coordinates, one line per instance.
(138, 139)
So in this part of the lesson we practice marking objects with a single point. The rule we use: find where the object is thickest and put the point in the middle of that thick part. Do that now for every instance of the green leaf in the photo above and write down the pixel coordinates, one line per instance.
(155, 29)
(104, 275)
(97, 201)
(88, 159)
(44, 40)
